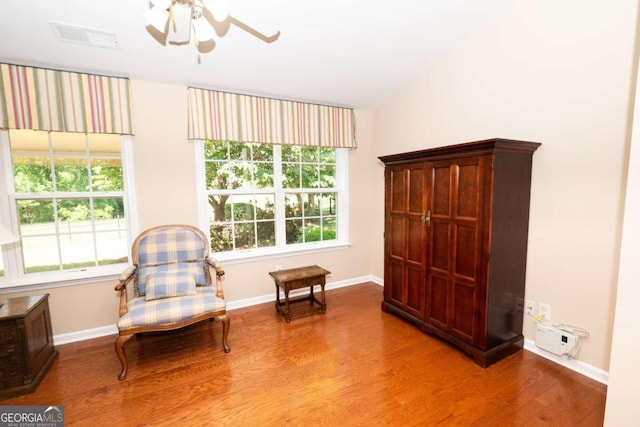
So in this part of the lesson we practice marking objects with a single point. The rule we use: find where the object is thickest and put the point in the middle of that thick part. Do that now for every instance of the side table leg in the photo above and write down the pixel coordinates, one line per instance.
(324, 302)
(286, 304)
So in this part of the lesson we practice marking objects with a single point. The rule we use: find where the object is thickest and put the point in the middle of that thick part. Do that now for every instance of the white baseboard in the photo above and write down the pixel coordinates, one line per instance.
(575, 365)
(86, 334)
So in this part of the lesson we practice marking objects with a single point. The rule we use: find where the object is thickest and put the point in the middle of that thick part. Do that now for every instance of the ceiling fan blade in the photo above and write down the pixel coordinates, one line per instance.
(253, 31)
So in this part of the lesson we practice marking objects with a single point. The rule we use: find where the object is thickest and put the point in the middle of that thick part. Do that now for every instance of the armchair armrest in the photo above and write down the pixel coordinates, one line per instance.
(121, 287)
(213, 263)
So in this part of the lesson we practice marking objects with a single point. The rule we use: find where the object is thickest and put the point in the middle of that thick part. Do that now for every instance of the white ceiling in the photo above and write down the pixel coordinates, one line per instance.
(350, 53)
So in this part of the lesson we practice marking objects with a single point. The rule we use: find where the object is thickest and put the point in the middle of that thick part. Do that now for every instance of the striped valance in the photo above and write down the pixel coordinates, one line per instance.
(231, 117)
(52, 100)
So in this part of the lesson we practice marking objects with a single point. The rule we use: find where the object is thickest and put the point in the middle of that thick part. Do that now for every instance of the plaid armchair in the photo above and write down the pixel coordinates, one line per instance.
(172, 286)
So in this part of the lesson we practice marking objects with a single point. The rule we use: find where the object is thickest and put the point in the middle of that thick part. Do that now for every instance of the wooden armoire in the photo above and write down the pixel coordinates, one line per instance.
(456, 226)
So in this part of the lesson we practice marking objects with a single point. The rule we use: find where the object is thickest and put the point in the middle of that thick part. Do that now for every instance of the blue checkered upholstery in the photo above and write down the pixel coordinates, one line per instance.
(170, 310)
(170, 248)
(175, 284)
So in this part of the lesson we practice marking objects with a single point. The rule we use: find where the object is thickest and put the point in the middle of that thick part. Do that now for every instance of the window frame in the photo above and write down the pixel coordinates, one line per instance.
(12, 254)
(342, 199)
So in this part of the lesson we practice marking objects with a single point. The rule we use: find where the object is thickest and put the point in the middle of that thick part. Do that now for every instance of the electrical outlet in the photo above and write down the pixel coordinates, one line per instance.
(530, 308)
(544, 311)
(278, 266)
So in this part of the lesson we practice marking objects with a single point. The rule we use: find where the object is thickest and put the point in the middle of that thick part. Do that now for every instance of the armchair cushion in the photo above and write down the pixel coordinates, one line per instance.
(173, 282)
(193, 269)
(170, 310)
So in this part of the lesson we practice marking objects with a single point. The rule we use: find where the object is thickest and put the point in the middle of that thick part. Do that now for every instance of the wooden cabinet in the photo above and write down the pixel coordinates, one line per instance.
(456, 227)
(26, 344)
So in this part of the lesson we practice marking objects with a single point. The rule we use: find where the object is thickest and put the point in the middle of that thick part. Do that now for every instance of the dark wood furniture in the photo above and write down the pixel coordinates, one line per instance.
(456, 227)
(296, 278)
(26, 344)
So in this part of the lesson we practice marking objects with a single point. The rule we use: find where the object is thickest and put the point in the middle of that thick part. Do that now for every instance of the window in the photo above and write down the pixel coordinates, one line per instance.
(66, 199)
(264, 198)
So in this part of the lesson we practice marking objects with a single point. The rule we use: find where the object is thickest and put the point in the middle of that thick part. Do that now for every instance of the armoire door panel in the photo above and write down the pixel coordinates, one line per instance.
(441, 191)
(397, 191)
(463, 320)
(468, 191)
(415, 247)
(396, 236)
(396, 281)
(415, 289)
(416, 190)
(437, 310)
(439, 246)
(466, 250)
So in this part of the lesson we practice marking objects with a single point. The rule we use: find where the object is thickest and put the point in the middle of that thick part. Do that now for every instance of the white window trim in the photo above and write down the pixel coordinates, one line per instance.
(11, 253)
(246, 255)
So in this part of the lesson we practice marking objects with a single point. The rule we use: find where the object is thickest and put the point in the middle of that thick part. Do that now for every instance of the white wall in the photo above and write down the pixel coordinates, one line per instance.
(624, 376)
(559, 73)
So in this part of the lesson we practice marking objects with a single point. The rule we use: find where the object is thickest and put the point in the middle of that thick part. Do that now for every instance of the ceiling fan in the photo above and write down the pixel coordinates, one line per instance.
(174, 21)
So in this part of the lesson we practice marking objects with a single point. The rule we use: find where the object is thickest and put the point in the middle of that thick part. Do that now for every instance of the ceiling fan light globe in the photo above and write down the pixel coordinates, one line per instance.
(157, 18)
(220, 9)
(203, 31)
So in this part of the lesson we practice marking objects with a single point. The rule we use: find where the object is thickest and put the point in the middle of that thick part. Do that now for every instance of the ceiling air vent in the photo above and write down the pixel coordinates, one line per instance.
(73, 34)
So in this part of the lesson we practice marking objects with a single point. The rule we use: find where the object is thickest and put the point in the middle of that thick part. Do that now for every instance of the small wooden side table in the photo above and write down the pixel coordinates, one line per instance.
(26, 344)
(296, 278)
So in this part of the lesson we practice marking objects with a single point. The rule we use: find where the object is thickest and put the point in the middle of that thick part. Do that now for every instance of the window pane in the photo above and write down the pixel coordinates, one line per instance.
(72, 233)
(70, 162)
(245, 237)
(312, 232)
(239, 151)
(309, 215)
(266, 233)
(242, 220)
(290, 153)
(327, 155)
(294, 231)
(231, 166)
(329, 229)
(241, 209)
(221, 237)
(60, 232)
(291, 175)
(215, 150)
(263, 153)
(215, 177)
(328, 204)
(264, 206)
(327, 176)
(217, 205)
(309, 176)
(106, 163)
(293, 205)
(309, 154)
(111, 241)
(264, 175)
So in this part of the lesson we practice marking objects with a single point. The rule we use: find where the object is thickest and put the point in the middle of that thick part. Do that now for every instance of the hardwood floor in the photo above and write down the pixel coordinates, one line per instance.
(354, 366)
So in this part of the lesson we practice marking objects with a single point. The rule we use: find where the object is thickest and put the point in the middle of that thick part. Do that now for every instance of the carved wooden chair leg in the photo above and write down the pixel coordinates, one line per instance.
(119, 345)
(225, 332)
